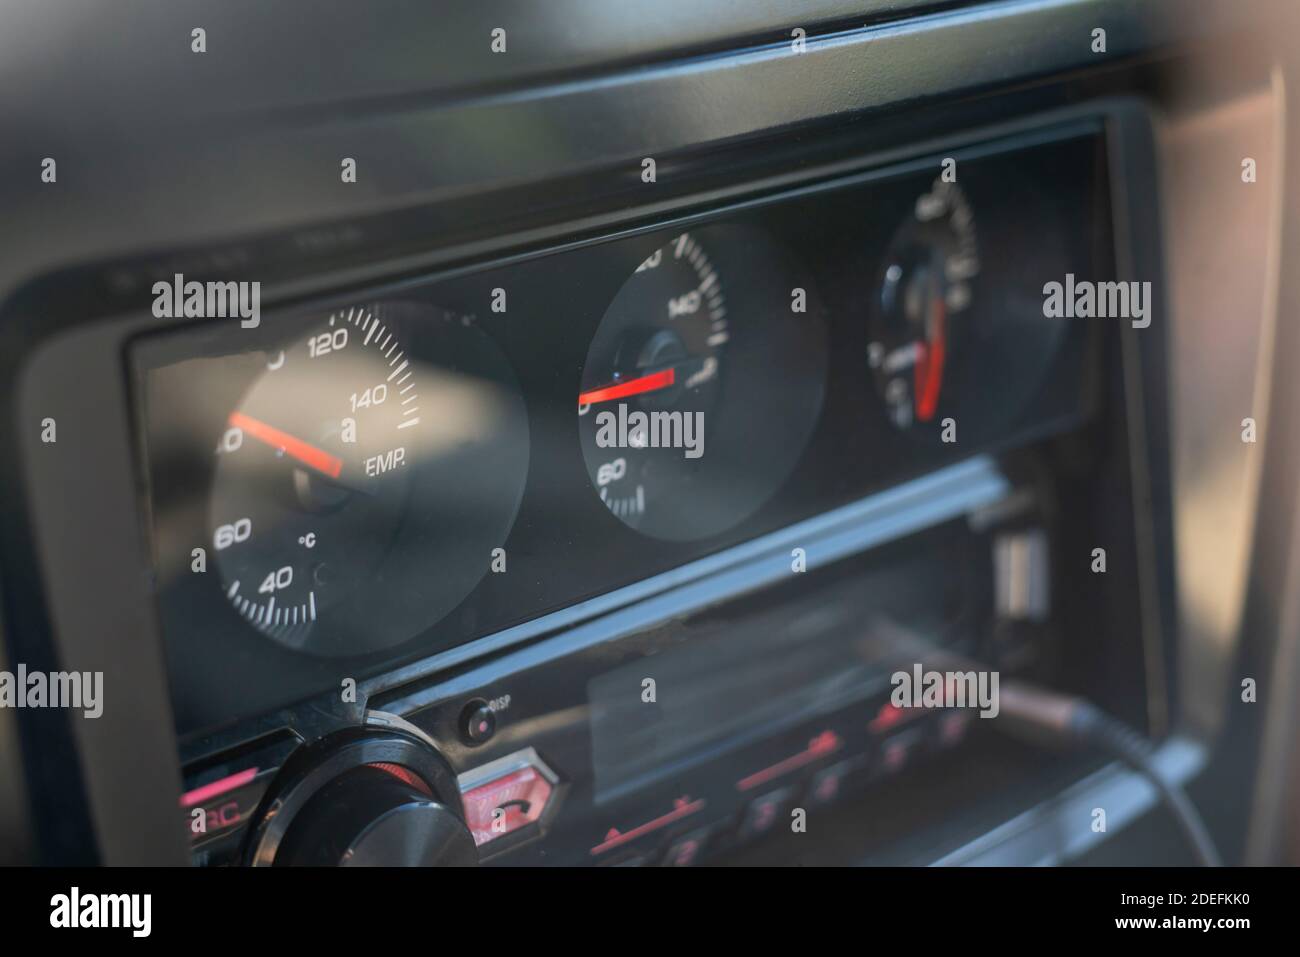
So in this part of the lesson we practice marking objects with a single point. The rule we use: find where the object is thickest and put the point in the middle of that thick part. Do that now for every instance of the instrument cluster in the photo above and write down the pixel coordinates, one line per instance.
(355, 484)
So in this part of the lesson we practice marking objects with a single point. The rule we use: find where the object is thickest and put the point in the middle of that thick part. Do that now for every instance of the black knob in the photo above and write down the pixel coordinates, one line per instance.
(366, 799)
(376, 815)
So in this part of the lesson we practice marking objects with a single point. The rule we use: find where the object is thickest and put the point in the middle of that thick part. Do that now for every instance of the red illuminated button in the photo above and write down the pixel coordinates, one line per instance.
(896, 751)
(506, 803)
(222, 797)
(764, 813)
(683, 807)
(953, 727)
(827, 785)
(687, 849)
(220, 805)
(889, 717)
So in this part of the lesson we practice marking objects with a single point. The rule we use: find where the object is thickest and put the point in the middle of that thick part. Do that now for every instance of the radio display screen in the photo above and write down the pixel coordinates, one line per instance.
(753, 667)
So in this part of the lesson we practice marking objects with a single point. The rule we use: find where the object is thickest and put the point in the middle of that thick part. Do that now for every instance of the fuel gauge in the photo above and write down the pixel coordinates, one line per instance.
(917, 330)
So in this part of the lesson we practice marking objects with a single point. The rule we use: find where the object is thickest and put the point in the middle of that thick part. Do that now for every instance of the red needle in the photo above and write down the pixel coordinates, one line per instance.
(318, 459)
(647, 383)
(929, 368)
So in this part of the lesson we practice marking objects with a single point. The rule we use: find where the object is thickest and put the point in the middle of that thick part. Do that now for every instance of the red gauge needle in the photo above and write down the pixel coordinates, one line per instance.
(646, 383)
(318, 459)
(928, 371)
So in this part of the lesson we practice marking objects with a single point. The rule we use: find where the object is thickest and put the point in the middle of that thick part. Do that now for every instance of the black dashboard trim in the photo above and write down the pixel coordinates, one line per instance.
(662, 111)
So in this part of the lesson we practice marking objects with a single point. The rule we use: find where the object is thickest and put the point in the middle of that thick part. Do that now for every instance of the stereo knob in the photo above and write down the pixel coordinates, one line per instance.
(365, 799)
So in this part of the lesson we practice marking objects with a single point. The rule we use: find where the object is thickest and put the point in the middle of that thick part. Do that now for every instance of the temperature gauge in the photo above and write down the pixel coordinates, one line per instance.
(363, 478)
(312, 473)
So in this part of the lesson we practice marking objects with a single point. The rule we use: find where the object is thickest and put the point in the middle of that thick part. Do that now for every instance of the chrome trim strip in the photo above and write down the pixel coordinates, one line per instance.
(393, 722)
(500, 767)
(1059, 829)
(911, 507)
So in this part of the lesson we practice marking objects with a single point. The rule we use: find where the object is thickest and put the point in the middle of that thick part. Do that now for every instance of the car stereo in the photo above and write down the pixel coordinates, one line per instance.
(624, 742)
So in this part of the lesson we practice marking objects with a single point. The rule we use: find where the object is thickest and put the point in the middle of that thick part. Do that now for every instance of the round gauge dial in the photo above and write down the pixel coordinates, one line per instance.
(655, 380)
(340, 458)
(313, 472)
(684, 427)
(924, 292)
(956, 339)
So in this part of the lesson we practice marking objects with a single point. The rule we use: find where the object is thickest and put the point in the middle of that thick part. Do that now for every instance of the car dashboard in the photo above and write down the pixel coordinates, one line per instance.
(582, 447)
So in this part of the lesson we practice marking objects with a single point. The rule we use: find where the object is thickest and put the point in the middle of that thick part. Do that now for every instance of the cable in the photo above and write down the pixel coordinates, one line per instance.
(1063, 719)
(1054, 719)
